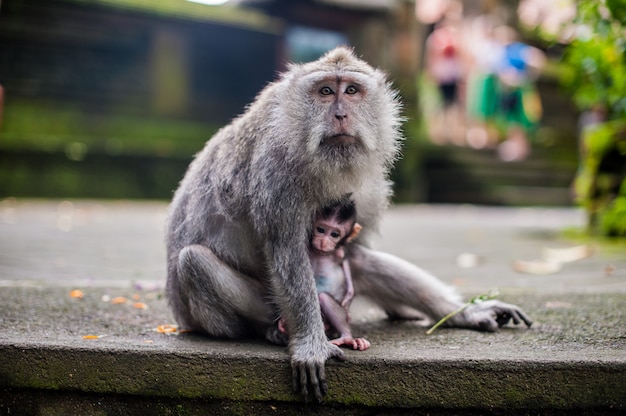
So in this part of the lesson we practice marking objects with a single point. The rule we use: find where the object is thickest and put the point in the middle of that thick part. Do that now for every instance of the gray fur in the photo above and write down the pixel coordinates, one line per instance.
(239, 221)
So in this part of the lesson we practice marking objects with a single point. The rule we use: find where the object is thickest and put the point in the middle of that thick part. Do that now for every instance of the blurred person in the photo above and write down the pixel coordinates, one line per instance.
(501, 93)
(484, 54)
(444, 66)
(519, 107)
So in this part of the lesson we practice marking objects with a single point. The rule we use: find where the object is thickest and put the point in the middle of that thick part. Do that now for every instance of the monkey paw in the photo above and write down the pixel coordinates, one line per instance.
(491, 315)
(307, 368)
(360, 344)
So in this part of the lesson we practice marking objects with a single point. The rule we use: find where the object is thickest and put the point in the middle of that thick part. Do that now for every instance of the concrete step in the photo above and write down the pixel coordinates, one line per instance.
(571, 361)
(464, 175)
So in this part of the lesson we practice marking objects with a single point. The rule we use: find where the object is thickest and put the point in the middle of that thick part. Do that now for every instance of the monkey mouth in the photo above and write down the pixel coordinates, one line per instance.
(321, 252)
(340, 139)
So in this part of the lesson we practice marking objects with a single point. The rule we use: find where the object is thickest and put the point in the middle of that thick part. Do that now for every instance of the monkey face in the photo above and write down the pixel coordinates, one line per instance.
(328, 234)
(340, 96)
(342, 113)
(339, 101)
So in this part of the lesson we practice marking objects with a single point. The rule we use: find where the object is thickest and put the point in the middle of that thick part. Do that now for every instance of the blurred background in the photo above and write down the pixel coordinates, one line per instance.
(507, 102)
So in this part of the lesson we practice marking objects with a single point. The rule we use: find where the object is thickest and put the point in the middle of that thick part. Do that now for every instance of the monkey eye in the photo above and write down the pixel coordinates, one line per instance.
(335, 234)
(352, 90)
(320, 230)
(326, 91)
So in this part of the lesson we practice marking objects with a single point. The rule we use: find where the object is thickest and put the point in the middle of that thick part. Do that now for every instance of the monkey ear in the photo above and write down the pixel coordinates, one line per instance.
(355, 232)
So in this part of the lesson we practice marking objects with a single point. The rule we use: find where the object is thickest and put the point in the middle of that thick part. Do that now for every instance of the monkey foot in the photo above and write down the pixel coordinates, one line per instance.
(360, 344)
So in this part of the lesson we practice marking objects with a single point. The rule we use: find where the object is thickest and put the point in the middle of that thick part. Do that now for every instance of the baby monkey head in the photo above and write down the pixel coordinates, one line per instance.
(334, 226)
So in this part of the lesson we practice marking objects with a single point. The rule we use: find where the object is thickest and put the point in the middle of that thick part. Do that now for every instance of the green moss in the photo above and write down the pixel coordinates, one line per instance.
(38, 126)
(189, 10)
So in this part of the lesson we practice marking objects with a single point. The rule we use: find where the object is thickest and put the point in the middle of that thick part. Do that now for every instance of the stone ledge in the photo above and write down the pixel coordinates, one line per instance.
(372, 382)
(549, 368)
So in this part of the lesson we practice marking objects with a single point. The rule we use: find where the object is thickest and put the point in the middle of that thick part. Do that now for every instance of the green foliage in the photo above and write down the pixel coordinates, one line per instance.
(596, 77)
(597, 57)
(613, 219)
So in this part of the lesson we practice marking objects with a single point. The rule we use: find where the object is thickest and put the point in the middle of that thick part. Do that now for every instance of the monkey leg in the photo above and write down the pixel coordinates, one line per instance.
(337, 318)
(217, 299)
(395, 284)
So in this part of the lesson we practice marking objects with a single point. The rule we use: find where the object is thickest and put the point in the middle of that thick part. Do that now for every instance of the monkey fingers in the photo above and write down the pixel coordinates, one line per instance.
(309, 376)
(492, 314)
(512, 312)
(361, 344)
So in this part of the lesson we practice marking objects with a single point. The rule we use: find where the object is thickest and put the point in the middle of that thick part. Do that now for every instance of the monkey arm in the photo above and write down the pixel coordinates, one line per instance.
(293, 286)
(349, 295)
(390, 282)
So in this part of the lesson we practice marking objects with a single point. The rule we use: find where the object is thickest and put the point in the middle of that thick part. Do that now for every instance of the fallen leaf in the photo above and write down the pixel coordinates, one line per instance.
(568, 254)
(77, 294)
(118, 300)
(166, 329)
(536, 266)
(140, 305)
(91, 336)
(136, 297)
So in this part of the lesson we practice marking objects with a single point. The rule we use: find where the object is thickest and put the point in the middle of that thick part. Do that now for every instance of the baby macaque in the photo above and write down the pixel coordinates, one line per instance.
(333, 228)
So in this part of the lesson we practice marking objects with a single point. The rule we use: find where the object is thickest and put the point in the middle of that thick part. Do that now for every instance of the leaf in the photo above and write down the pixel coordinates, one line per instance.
(536, 266)
(166, 329)
(566, 255)
(77, 294)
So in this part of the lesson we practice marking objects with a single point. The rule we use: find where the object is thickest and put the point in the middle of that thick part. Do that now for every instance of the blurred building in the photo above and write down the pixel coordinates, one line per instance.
(172, 58)
(123, 92)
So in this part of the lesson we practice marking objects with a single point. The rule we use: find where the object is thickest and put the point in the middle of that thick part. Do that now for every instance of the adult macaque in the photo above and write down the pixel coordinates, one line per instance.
(334, 226)
(238, 226)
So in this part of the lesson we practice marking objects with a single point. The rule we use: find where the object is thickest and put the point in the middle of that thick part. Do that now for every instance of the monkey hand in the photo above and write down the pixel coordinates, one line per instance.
(307, 366)
(490, 315)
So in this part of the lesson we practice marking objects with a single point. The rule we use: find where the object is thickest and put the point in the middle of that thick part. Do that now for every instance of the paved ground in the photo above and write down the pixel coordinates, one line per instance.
(574, 356)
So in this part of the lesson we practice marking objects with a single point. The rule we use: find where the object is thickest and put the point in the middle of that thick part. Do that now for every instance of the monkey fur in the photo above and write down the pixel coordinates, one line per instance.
(238, 223)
